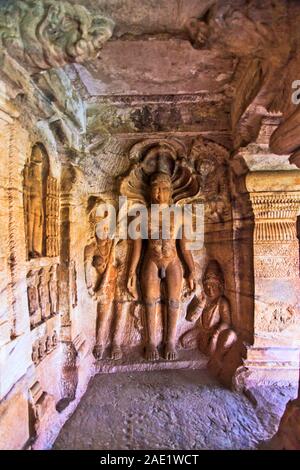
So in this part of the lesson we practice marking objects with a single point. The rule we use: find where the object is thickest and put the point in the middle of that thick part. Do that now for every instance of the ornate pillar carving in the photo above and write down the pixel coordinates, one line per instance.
(275, 199)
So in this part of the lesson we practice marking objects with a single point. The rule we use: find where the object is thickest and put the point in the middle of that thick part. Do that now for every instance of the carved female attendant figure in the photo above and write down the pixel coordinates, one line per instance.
(213, 332)
(98, 260)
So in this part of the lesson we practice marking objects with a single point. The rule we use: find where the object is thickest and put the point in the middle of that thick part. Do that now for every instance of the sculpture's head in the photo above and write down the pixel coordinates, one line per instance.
(213, 281)
(161, 188)
(98, 264)
(54, 33)
(206, 166)
(104, 226)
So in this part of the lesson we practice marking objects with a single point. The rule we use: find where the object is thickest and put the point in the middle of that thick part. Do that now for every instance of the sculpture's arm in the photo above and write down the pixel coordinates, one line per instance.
(135, 258)
(225, 313)
(88, 259)
(195, 308)
(188, 258)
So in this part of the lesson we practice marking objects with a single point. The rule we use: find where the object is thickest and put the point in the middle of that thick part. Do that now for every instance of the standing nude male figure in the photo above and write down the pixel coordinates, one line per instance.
(161, 262)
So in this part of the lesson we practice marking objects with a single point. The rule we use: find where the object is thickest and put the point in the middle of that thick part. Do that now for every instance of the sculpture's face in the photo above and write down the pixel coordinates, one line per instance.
(103, 230)
(212, 289)
(206, 167)
(160, 192)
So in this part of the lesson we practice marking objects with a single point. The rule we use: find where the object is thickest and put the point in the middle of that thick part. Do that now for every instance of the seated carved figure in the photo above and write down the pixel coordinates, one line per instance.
(213, 332)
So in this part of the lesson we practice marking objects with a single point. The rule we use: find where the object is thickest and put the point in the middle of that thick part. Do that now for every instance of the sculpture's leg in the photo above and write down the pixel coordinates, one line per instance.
(102, 328)
(151, 351)
(150, 284)
(226, 339)
(121, 309)
(30, 223)
(174, 277)
(37, 236)
(222, 343)
(190, 339)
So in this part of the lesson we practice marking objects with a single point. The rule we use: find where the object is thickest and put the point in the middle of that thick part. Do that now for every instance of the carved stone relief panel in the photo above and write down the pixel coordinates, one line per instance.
(148, 283)
(41, 206)
(210, 162)
(44, 346)
(42, 293)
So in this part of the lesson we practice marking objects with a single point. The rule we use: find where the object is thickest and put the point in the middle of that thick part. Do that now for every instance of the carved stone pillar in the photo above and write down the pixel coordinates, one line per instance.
(275, 198)
(68, 286)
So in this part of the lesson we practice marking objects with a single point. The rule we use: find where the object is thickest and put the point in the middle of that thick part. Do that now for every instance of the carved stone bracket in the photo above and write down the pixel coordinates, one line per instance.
(275, 207)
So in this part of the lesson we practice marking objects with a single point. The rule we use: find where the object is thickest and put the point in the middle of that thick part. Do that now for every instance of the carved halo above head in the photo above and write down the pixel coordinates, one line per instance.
(159, 157)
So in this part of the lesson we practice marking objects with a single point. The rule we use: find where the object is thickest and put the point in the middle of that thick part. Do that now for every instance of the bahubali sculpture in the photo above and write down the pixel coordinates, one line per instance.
(161, 262)
(41, 34)
(161, 274)
(213, 332)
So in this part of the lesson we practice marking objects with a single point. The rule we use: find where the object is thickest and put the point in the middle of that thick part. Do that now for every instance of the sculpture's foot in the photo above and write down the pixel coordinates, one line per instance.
(34, 254)
(98, 352)
(116, 352)
(151, 353)
(215, 366)
(170, 352)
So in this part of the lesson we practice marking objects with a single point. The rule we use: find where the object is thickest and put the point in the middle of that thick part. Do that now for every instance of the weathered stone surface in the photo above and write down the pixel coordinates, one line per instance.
(166, 410)
(179, 107)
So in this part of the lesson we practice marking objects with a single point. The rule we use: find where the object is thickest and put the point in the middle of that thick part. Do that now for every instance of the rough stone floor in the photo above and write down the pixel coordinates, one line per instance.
(170, 409)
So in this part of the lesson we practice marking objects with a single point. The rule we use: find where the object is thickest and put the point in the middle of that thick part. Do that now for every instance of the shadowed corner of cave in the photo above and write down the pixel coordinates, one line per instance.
(116, 334)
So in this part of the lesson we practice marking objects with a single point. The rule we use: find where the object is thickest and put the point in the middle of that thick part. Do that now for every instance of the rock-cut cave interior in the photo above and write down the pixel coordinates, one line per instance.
(149, 224)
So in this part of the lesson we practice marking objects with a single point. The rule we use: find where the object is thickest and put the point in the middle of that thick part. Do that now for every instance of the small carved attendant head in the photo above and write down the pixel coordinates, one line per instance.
(213, 281)
(48, 344)
(161, 188)
(206, 166)
(54, 339)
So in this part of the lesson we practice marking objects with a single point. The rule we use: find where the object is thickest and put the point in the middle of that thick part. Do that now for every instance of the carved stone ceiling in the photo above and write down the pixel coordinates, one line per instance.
(151, 81)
